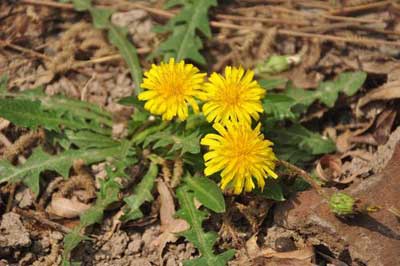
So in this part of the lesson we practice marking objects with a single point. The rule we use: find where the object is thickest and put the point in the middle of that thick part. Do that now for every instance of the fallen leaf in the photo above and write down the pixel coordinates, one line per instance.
(169, 224)
(329, 168)
(384, 125)
(305, 254)
(66, 208)
(388, 91)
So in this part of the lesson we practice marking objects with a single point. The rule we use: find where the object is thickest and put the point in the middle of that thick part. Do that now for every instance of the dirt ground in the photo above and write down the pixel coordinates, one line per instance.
(49, 44)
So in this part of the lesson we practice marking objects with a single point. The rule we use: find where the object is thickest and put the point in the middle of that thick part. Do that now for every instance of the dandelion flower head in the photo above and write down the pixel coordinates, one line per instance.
(233, 97)
(241, 154)
(170, 88)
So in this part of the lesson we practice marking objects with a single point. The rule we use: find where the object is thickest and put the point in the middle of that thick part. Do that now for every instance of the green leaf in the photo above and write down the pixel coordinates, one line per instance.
(207, 192)
(81, 5)
(117, 37)
(298, 144)
(279, 106)
(108, 194)
(72, 239)
(184, 43)
(86, 139)
(3, 83)
(273, 190)
(293, 101)
(141, 194)
(351, 82)
(34, 109)
(270, 84)
(203, 241)
(101, 17)
(28, 113)
(179, 141)
(328, 91)
(40, 161)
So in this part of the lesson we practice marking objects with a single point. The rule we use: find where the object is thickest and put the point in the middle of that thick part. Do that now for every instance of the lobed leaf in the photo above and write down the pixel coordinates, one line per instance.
(41, 161)
(203, 241)
(298, 144)
(293, 101)
(108, 194)
(141, 194)
(184, 43)
(178, 141)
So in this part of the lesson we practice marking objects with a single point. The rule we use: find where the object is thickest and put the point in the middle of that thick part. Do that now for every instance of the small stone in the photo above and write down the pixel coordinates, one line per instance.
(12, 232)
(24, 197)
(134, 247)
(116, 246)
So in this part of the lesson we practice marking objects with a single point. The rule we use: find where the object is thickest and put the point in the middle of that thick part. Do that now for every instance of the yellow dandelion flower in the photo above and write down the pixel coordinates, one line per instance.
(171, 87)
(235, 97)
(241, 153)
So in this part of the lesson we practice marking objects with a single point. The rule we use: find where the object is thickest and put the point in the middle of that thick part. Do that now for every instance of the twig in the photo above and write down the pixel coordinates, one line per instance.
(304, 175)
(364, 7)
(48, 4)
(11, 197)
(37, 216)
(24, 50)
(267, 20)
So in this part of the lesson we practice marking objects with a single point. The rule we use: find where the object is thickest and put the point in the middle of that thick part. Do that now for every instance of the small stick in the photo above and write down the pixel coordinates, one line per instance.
(364, 7)
(37, 216)
(48, 4)
(304, 175)
(11, 196)
(24, 50)
(267, 20)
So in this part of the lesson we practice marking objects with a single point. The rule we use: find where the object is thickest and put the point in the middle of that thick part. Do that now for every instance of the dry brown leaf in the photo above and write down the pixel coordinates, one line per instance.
(251, 247)
(66, 208)
(305, 254)
(329, 168)
(384, 124)
(388, 91)
(169, 224)
(342, 141)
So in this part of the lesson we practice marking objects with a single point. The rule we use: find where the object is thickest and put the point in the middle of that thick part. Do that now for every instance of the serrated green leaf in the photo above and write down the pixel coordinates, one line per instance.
(86, 139)
(207, 192)
(179, 141)
(101, 17)
(296, 143)
(108, 194)
(203, 241)
(279, 106)
(35, 110)
(40, 161)
(81, 5)
(117, 37)
(290, 103)
(72, 239)
(184, 43)
(28, 113)
(328, 91)
(141, 194)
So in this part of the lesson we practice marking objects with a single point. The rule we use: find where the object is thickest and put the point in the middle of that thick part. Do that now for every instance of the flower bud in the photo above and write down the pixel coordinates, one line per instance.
(341, 204)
